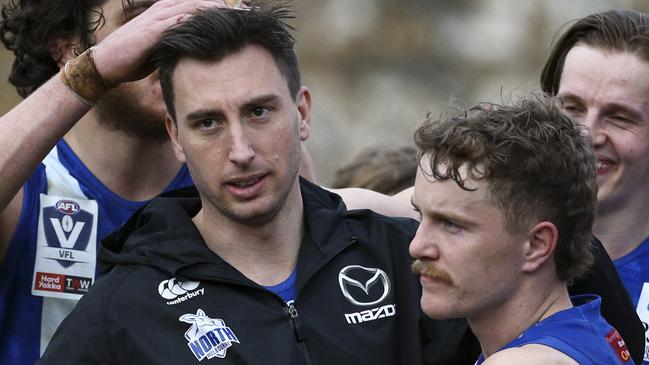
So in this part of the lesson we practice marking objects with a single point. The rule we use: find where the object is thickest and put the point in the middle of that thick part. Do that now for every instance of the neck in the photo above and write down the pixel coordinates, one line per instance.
(265, 253)
(134, 168)
(522, 311)
(622, 230)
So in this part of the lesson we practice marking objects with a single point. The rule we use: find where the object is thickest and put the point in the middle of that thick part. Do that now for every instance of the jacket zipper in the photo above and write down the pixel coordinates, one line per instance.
(291, 311)
(296, 323)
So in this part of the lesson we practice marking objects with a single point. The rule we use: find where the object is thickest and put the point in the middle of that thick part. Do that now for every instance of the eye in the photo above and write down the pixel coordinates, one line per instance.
(450, 226)
(621, 120)
(572, 110)
(259, 112)
(208, 124)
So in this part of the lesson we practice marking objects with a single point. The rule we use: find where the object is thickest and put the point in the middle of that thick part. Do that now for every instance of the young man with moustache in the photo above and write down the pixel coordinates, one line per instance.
(507, 197)
(255, 265)
(600, 69)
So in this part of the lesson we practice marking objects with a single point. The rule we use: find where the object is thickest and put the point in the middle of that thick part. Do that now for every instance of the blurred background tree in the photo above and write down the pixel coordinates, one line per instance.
(376, 67)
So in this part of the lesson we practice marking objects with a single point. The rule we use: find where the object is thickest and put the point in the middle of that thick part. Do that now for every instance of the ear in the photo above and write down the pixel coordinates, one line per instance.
(542, 241)
(303, 101)
(188, 318)
(307, 167)
(172, 130)
(62, 49)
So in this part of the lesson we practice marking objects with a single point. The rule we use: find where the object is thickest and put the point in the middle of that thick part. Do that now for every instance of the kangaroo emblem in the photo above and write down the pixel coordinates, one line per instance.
(208, 337)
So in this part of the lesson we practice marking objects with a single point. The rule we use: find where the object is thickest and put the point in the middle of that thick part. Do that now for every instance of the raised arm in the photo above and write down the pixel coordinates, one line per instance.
(31, 129)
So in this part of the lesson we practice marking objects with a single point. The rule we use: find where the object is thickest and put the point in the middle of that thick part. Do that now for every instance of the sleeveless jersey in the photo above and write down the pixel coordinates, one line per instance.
(634, 272)
(579, 332)
(51, 259)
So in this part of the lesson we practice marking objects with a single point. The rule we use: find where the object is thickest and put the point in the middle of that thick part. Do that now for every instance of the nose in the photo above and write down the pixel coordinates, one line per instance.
(241, 151)
(422, 245)
(596, 128)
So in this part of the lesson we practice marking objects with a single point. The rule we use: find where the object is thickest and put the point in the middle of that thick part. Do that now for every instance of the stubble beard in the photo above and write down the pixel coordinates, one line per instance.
(121, 109)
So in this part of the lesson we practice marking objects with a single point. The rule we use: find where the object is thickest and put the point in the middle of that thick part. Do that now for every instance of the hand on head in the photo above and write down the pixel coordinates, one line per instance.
(123, 55)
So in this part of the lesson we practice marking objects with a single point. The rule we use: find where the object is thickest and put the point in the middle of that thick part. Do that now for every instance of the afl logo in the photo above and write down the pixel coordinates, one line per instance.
(67, 206)
(363, 286)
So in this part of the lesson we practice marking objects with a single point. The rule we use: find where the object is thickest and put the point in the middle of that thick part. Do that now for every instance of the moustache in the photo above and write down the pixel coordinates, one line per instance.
(419, 267)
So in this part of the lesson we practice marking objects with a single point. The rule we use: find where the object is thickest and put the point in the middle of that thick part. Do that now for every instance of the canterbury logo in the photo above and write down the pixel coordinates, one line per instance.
(172, 288)
(365, 279)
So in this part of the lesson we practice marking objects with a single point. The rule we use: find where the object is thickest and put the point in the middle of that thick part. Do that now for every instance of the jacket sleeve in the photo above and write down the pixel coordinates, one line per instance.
(617, 307)
(83, 337)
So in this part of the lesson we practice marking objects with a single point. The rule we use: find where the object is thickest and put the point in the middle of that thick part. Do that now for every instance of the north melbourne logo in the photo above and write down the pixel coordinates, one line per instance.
(179, 291)
(208, 337)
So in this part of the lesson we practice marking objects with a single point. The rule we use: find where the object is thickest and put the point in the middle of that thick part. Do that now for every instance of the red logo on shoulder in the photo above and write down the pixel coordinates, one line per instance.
(67, 206)
(617, 344)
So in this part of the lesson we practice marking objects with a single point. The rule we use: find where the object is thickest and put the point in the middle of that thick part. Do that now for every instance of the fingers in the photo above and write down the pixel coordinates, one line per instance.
(123, 55)
(175, 7)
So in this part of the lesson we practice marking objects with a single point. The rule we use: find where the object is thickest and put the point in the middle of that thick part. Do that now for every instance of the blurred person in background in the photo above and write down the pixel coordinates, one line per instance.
(384, 169)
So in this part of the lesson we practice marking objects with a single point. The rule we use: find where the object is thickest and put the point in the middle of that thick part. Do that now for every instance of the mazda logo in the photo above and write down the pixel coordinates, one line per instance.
(366, 279)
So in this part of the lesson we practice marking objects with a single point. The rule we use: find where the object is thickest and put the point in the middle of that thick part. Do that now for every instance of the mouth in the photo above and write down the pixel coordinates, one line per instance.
(603, 166)
(246, 187)
(245, 181)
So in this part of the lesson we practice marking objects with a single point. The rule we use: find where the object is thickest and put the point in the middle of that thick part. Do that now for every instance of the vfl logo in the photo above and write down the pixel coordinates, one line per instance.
(65, 232)
(173, 289)
(208, 337)
(360, 285)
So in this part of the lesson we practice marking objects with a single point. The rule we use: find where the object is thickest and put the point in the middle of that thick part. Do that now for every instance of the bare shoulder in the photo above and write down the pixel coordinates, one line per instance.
(8, 222)
(393, 206)
(530, 355)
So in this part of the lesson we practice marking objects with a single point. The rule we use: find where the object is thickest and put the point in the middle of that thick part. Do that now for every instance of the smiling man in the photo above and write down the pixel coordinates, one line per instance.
(255, 265)
(507, 199)
(600, 69)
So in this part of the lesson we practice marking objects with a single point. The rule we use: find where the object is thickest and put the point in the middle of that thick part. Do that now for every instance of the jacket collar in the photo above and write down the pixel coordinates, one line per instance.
(163, 235)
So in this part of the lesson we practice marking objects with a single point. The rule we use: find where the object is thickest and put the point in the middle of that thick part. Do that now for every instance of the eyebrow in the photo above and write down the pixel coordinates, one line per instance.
(258, 100)
(219, 114)
(204, 114)
(437, 215)
(608, 107)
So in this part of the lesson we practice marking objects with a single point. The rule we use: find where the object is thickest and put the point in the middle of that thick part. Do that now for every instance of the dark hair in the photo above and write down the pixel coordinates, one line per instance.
(214, 33)
(28, 26)
(385, 169)
(538, 163)
(613, 30)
